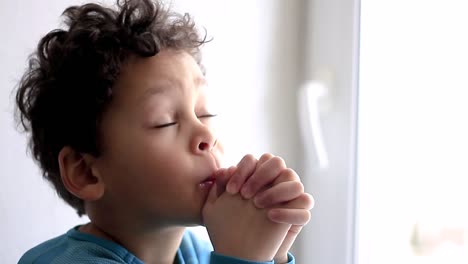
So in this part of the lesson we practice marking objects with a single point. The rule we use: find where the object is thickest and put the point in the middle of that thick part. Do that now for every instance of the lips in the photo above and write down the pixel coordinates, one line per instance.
(209, 181)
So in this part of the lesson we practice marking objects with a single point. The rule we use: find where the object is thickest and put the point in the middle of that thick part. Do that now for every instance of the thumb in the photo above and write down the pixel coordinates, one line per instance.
(212, 196)
(209, 202)
(221, 178)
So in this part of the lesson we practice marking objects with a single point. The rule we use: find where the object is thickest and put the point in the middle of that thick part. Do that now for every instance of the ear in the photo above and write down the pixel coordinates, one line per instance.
(80, 175)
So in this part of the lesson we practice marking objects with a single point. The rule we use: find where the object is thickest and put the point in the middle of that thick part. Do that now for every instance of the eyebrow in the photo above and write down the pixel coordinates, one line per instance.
(163, 86)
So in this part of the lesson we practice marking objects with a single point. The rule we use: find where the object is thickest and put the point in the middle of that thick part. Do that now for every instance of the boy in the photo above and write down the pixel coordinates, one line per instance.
(120, 126)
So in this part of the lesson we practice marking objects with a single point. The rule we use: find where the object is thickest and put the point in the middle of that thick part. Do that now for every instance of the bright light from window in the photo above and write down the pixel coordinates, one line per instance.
(413, 132)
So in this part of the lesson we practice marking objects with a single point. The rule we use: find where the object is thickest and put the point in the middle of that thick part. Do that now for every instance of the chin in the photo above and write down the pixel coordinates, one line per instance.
(192, 216)
(191, 221)
(193, 225)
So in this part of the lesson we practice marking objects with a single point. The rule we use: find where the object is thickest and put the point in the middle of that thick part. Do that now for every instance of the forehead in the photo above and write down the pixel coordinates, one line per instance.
(142, 77)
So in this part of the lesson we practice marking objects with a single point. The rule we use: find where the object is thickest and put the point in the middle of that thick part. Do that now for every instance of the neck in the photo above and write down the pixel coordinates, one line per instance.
(155, 246)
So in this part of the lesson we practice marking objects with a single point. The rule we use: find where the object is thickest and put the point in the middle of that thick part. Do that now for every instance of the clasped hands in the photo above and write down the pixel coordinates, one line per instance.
(255, 210)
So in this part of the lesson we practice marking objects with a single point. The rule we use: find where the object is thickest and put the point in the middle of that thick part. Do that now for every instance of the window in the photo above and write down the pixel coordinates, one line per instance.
(413, 132)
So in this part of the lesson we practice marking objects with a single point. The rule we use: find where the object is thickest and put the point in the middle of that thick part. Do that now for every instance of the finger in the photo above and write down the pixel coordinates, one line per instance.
(304, 201)
(263, 175)
(221, 176)
(289, 216)
(280, 193)
(231, 170)
(295, 229)
(264, 158)
(212, 196)
(282, 253)
(224, 175)
(286, 175)
(245, 168)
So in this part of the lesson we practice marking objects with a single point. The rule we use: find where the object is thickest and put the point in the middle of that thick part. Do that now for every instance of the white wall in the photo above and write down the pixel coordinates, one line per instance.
(29, 209)
(252, 61)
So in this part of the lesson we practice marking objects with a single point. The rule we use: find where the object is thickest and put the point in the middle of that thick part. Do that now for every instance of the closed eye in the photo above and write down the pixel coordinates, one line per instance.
(206, 116)
(166, 125)
(174, 123)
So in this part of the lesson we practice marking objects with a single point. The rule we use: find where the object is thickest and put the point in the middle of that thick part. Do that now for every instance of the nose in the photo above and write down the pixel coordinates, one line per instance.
(203, 140)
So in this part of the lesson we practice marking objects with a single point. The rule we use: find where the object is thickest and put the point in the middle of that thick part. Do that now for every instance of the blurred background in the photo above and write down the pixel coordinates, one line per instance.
(366, 100)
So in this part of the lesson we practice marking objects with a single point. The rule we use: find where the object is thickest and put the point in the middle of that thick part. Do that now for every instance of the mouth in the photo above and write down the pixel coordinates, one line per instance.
(208, 182)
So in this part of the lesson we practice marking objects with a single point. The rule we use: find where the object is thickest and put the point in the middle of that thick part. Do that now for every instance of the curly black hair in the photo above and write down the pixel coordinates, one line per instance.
(69, 81)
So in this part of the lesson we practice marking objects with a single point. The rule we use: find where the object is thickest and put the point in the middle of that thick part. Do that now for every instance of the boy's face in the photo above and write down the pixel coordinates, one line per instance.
(158, 146)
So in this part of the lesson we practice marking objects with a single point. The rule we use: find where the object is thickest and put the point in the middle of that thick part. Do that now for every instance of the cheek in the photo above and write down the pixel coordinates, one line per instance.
(218, 153)
(144, 156)
(220, 148)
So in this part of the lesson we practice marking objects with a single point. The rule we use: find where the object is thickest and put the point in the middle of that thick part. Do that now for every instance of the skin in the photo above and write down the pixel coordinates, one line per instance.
(272, 185)
(159, 147)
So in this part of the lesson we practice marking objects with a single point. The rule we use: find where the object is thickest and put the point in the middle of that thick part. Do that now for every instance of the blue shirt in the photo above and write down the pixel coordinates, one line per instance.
(77, 247)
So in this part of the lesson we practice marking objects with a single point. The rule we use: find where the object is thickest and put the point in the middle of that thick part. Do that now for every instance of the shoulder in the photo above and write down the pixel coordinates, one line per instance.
(75, 247)
(42, 253)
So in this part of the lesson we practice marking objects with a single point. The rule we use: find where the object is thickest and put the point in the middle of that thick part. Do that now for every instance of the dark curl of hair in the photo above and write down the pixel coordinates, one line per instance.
(70, 77)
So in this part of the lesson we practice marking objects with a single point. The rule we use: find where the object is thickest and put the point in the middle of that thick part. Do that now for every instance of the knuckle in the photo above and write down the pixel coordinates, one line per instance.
(251, 162)
(290, 175)
(241, 161)
(278, 161)
(266, 156)
(310, 201)
(298, 187)
(246, 164)
(249, 158)
(247, 161)
(241, 170)
(254, 182)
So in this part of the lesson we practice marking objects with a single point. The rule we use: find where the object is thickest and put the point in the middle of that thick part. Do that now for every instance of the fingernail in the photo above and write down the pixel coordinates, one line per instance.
(231, 188)
(246, 192)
